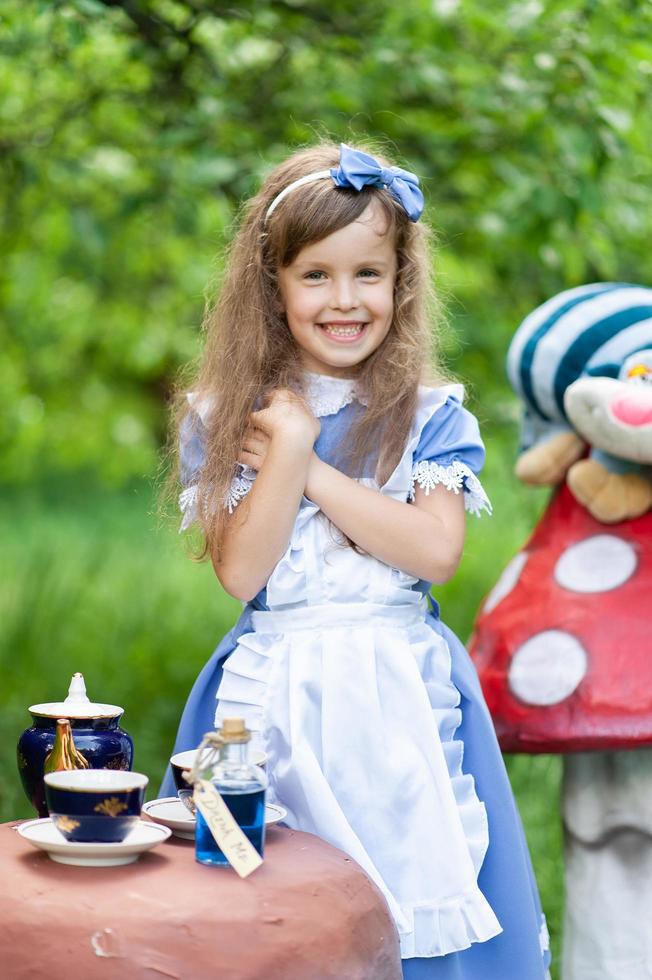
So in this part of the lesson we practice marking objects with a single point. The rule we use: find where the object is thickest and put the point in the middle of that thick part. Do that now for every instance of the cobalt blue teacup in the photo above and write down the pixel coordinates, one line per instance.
(99, 805)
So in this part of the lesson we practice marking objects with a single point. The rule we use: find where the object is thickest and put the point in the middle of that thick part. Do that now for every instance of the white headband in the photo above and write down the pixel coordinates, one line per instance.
(358, 170)
(308, 179)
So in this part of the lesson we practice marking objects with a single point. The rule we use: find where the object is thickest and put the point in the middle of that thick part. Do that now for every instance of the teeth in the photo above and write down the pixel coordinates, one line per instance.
(343, 331)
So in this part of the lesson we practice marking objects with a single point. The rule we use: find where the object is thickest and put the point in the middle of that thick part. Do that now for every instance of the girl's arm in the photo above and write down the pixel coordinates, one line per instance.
(258, 531)
(424, 539)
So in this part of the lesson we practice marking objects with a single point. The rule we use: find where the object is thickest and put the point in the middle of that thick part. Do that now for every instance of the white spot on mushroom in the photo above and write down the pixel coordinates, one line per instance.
(506, 582)
(597, 564)
(547, 668)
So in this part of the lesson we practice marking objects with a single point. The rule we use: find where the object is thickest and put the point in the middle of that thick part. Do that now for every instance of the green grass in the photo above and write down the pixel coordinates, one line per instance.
(93, 582)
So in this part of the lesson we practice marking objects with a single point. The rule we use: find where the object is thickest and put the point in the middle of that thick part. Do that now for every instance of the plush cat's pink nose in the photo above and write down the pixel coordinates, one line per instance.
(633, 408)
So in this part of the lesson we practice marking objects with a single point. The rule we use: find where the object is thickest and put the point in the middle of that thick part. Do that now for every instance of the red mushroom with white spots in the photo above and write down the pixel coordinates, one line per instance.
(563, 643)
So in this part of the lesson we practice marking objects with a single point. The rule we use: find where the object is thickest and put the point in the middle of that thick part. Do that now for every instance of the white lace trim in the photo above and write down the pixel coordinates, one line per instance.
(241, 484)
(544, 935)
(189, 506)
(326, 395)
(456, 476)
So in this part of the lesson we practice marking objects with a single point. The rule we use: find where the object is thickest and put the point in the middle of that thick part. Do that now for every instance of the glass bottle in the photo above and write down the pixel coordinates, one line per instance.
(241, 785)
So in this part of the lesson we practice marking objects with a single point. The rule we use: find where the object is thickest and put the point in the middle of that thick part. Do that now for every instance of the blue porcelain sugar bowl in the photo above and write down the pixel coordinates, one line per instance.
(93, 739)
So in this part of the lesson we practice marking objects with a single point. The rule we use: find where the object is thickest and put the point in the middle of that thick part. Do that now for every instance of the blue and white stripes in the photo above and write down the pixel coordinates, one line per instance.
(587, 330)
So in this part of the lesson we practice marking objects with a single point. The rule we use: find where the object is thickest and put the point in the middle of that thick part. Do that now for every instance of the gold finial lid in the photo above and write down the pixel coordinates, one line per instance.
(234, 730)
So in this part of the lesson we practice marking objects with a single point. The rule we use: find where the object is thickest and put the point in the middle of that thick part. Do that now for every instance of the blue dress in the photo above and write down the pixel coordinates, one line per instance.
(358, 693)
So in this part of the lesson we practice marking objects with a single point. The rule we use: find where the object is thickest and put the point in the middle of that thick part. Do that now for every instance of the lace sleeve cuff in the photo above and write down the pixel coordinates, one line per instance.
(241, 484)
(456, 476)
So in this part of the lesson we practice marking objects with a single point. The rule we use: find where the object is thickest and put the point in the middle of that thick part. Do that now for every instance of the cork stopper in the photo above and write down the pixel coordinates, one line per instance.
(234, 730)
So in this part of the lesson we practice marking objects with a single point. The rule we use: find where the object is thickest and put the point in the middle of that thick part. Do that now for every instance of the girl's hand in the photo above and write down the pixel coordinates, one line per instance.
(287, 416)
(254, 448)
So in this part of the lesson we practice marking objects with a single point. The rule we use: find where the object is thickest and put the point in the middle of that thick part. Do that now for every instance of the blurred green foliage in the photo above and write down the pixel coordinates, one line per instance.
(132, 129)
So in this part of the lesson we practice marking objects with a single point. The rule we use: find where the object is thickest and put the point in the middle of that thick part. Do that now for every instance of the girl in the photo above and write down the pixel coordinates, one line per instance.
(331, 488)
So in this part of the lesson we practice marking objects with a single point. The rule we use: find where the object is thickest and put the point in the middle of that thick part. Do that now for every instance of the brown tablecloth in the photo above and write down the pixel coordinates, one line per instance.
(309, 913)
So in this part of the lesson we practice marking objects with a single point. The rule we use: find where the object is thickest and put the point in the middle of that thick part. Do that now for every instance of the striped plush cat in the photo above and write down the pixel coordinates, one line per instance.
(582, 363)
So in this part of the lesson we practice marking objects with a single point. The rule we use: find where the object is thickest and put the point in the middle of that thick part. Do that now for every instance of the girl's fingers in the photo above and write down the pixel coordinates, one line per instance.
(255, 430)
(252, 432)
(254, 445)
(260, 423)
(256, 436)
(250, 459)
(260, 417)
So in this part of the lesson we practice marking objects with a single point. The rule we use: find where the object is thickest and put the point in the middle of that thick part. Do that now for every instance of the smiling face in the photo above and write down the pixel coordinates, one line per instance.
(338, 295)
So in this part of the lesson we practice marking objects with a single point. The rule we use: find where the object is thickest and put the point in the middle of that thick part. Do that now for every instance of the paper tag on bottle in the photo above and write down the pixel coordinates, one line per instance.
(229, 837)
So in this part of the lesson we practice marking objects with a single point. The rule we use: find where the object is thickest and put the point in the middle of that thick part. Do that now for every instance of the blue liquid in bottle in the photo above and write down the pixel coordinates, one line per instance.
(242, 787)
(248, 808)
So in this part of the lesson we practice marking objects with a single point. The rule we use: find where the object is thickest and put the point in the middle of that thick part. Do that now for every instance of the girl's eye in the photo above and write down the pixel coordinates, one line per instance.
(369, 273)
(314, 276)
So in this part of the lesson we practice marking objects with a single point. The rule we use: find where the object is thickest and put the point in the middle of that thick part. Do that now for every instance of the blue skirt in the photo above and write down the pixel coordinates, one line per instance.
(506, 878)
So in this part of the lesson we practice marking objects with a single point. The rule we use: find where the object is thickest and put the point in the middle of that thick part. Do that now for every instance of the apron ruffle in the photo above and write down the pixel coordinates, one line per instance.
(376, 763)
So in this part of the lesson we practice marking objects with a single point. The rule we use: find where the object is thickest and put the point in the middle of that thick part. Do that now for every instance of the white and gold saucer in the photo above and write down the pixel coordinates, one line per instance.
(170, 812)
(43, 835)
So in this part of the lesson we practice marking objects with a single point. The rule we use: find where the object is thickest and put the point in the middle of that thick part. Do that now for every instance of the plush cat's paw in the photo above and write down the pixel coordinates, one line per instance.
(609, 497)
(547, 463)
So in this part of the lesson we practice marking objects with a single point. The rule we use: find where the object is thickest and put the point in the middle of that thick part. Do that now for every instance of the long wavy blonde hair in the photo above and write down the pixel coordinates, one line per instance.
(250, 351)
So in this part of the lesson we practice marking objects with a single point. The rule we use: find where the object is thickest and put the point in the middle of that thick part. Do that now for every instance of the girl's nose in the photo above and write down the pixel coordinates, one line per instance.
(345, 294)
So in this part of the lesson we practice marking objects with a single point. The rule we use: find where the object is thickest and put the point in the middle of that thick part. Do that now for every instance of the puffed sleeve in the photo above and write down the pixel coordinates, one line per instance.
(450, 451)
(192, 456)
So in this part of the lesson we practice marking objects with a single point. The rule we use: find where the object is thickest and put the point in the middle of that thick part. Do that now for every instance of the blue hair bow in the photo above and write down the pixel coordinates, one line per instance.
(358, 170)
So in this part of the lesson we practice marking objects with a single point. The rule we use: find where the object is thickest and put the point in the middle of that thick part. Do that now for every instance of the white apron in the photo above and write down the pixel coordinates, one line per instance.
(350, 692)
